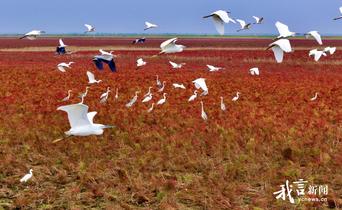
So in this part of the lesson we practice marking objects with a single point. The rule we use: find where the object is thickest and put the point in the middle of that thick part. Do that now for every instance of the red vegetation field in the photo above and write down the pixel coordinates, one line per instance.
(170, 158)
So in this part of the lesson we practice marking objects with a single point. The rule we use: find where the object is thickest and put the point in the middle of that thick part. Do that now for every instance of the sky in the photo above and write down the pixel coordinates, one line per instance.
(176, 16)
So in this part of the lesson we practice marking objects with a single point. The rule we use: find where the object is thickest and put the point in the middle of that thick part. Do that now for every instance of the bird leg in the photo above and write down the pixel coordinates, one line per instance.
(60, 139)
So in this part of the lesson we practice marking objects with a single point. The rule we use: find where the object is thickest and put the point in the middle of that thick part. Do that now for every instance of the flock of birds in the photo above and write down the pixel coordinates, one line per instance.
(82, 121)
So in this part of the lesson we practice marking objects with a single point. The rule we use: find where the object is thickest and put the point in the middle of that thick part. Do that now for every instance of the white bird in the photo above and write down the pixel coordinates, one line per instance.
(193, 97)
(315, 97)
(110, 53)
(236, 97)
(315, 35)
(223, 106)
(104, 96)
(90, 28)
(170, 46)
(149, 91)
(176, 65)
(141, 62)
(163, 100)
(162, 88)
(62, 66)
(317, 54)
(151, 108)
(117, 94)
(149, 25)
(203, 114)
(254, 71)
(279, 47)
(331, 50)
(220, 17)
(214, 68)
(133, 100)
(258, 20)
(68, 96)
(81, 122)
(284, 31)
(244, 25)
(181, 86)
(61, 43)
(147, 98)
(92, 79)
(84, 94)
(27, 176)
(158, 81)
(340, 17)
(201, 84)
(32, 35)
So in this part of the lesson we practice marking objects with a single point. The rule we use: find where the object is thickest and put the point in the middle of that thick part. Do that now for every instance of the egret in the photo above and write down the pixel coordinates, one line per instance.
(284, 31)
(104, 96)
(68, 96)
(61, 67)
(315, 97)
(92, 79)
(254, 71)
(331, 50)
(279, 47)
(258, 20)
(162, 88)
(133, 100)
(117, 94)
(214, 68)
(158, 81)
(151, 108)
(60, 50)
(149, 91)
(147, 98)
(84, 94)
(244, 25)
(176, 85)
(340, 17)
(315, 35)
(27, 176)
(82, 99)
(170, 46)
(141, 62)
(163, 100)
(110, 53)
(149, 25)
(193, 97)
(139, 40)
(203, 114)
(317, 54)
(236, 97)
(90, 28)
(81, 122)
(223, 106)
(108, 59)
(220, 17)
(32, 35)
(176, 65)
(201, 84)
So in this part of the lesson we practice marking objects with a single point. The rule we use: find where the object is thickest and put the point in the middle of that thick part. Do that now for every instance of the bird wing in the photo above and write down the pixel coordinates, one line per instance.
(200, 83)
(77, 114)
(284, 44)
(98, 63)
(91, 116)
(112, 65)
(173, 64)
(340, 10)
(91, 76)
(61, 68)
(61, 43)
(242, 23)
(278, 53)
(317, 36)
(222, 15)
(312, 52)
(219, 24)
(168, 42)
(282, 28)
(257, 19)
(318, 55)
(89, 27)
(211, 67)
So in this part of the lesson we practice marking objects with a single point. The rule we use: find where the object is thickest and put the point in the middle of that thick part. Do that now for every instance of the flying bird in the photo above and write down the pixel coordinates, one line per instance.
(244, 25)
(315, 35)
(90, 28)
(108, 59)
(104, 96)
(181, 86)
(176, 65)
(317, 54)
(81, 122)
(258, 20)
(27, 176)
(140, 63)
(149, 25)
(170, 46)
(110, 53)
(68, 96)
(222, 105)
(60, 50)
(139, 41)
(340, 17)
(193, 97)
(254, 71)
(203, 114)
(91, 78)
(163, 100)
(330, 50)
(133, 100)
(279, 47)
(236, 97)
(214, 68)
(220, 17)
(201, 84)
(284, 31)
(62, 66)
(32, 35)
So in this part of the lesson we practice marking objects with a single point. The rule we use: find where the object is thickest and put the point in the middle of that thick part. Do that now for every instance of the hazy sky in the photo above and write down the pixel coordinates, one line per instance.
(173, 16)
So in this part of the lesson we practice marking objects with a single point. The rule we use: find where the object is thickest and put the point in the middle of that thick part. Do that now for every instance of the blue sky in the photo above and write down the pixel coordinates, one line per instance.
(176, 16)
